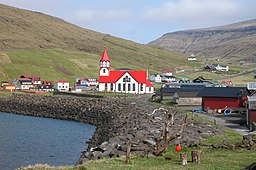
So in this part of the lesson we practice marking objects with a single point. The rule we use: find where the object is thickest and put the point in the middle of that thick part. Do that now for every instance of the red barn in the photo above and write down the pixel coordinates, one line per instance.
(221, 97)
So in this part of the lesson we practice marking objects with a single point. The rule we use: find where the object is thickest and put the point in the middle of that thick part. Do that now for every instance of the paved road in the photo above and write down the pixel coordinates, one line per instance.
(235, 122)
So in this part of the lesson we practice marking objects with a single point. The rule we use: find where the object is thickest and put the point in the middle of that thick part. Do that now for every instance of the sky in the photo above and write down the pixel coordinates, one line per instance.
(142, 21)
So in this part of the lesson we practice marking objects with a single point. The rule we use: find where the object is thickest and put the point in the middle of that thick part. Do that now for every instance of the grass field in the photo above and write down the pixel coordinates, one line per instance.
(54, 64)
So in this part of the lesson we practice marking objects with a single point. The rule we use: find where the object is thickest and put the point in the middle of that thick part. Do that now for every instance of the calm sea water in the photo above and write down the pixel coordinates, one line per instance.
(26, 140)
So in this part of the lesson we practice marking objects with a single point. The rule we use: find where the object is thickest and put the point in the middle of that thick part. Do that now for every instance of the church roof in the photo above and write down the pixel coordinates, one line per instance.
(114, 76)
(104, 56)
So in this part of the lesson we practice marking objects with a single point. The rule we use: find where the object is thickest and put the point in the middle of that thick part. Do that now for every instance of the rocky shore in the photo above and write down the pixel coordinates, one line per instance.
(117, 119)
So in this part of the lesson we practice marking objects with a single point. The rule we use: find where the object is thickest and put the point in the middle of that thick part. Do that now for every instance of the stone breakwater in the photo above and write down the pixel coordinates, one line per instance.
(116, 119)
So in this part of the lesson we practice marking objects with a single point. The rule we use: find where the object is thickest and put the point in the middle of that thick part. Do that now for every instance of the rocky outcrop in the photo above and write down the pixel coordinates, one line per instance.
(117, 121)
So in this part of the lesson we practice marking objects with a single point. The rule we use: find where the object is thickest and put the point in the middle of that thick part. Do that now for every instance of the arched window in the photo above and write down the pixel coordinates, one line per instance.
(133, 86)
(104, 71)
(141, 87)
(119, 87)
(129, 87)
(124, 87)
(111, 87)
(106, 87)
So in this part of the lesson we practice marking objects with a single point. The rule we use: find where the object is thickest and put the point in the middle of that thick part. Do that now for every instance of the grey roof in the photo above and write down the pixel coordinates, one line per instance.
(223, 92)
(182, 92)
(123, 69)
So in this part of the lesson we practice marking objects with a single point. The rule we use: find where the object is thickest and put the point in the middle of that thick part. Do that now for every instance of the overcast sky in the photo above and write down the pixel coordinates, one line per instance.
(143, 20)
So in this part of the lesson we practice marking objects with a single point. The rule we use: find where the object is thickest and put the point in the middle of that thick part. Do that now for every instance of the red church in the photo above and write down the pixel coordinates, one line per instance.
(122, 80)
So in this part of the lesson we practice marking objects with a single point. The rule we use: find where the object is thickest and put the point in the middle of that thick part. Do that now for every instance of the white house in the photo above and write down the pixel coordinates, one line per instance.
(23, 84)
(218, 67)
(156, 78)
(192, 58)
(167, 73)
(168, 79)
(123, 80)
(62, 85)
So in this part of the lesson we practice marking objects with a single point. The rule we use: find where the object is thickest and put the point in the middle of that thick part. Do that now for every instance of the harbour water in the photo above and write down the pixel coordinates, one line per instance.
(26, 140)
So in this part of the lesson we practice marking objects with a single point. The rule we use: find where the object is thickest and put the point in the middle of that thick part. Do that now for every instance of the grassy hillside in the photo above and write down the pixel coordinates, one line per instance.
(232, 43)
(35, 43)
(53, 64)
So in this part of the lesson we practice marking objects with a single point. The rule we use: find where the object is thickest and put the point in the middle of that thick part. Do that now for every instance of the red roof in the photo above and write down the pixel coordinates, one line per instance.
(167, 71)
(29, 76)
(139, 76)
(114, 76)
(149, 84)
(9, 85)
(47, 82)
(104, 56)
(23, 79)
(62, 81)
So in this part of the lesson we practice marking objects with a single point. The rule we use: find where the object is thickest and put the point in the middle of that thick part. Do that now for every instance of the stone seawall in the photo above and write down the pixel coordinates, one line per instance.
(116, 119)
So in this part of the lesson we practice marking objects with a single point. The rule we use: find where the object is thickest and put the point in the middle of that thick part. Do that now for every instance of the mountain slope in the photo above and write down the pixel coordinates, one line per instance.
(32, 42)
(231, 43)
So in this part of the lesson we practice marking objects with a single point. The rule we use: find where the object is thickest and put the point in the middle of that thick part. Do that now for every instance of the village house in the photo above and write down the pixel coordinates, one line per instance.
(36, 80)
(46, 85)
(86, 82)
(62, 85)
(156, 78)
(168, 79)
(167, 73)
(166, 76)
(216, 67)
(23, 84)
(9, 87)
(3, 83)
(125, 81)
(192, 57)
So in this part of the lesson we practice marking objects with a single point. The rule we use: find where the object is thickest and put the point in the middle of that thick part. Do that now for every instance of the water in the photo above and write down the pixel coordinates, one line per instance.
(26, 140)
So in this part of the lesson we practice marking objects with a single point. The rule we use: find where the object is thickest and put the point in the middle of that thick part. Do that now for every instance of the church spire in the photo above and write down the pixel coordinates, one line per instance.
(104, 56)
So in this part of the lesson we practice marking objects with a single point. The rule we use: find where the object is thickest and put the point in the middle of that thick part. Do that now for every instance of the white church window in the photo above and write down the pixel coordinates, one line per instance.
(124, 87)
(119, 87)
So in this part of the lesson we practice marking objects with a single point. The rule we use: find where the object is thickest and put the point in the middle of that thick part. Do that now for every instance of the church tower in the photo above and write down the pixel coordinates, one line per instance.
(104, 64)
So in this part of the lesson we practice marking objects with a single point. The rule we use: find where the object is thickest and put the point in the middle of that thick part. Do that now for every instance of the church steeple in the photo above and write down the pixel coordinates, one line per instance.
(104, 56)
(104, 64)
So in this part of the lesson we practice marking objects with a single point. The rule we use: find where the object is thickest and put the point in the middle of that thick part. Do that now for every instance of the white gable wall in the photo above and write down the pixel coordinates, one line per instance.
(124, 86)
(62, 86)
(149, 89)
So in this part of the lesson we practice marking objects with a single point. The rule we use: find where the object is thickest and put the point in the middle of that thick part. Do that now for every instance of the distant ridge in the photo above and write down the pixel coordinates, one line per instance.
(233, 42)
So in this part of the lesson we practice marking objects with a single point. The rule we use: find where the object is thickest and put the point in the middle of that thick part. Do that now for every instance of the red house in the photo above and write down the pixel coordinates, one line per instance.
(221, 97)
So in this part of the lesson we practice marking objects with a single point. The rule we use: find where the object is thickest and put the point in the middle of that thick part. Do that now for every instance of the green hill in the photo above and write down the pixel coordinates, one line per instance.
(35, 43)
